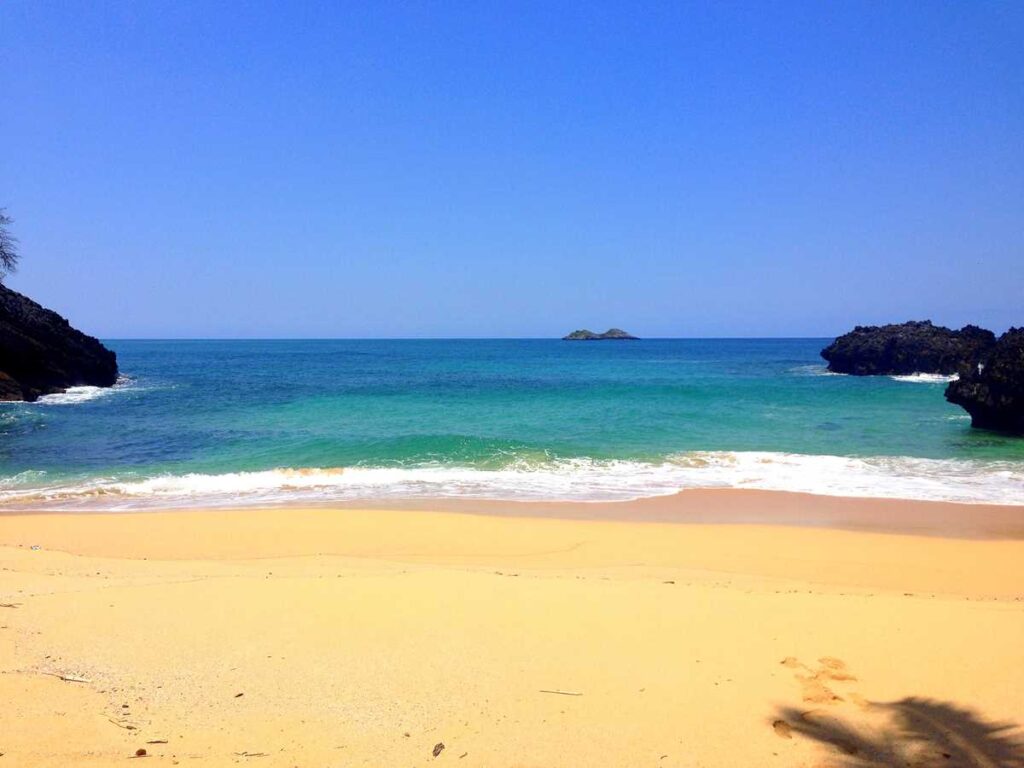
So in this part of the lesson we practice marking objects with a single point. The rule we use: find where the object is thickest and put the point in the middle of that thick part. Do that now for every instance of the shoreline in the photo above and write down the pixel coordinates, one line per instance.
(908, 563)
(708, 506)
(743, 506)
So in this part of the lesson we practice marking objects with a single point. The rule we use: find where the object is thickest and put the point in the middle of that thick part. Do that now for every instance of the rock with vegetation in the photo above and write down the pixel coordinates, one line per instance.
(993, 392)
(41, 354)
(914, 347)
(612, 334)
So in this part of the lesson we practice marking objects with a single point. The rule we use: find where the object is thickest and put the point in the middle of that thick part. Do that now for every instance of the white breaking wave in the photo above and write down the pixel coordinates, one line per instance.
(926, 378)
(912, 378)
(813, 369)
(78, 395)
(75, 395)
(956, 480)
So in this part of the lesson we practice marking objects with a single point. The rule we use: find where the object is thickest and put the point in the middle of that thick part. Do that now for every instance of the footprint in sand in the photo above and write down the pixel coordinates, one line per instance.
(783, 729)
(860, 701)
(835, 668)
(914, 732)
(815, 688)
(814, 684)
(827, 722)
(816, 692)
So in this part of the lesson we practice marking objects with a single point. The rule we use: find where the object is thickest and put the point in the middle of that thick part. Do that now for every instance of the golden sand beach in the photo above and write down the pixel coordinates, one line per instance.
(337, 637)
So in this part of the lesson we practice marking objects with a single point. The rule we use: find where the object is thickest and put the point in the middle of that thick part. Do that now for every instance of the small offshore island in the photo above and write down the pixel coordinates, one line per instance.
(612, 334)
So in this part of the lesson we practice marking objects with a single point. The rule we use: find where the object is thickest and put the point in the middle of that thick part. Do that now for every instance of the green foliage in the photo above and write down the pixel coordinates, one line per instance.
(8, 246)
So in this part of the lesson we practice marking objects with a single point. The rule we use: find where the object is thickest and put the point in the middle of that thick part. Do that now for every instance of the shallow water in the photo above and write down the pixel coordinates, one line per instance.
(222, 422)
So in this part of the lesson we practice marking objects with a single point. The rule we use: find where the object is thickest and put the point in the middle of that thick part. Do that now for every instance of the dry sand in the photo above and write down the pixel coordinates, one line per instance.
(337, 637)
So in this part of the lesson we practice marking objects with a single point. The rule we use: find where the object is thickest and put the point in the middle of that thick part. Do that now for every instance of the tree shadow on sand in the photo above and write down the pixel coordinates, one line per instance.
(909, 733)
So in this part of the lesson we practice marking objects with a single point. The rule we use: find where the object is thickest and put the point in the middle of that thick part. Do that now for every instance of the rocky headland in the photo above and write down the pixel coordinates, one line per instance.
(41, 354)
(612, 334)
(993, 391)
(906, 348)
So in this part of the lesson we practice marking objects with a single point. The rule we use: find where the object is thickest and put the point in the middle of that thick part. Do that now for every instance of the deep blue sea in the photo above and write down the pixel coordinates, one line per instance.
(253, 422)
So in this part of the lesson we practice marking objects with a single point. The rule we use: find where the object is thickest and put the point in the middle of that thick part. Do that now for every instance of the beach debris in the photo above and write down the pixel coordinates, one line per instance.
(126, 726)
(140, 752)
(35, 547)
(68, 678)
(237, 695)
(463, 755)
(438, 748)
(157, 741)
(562, 693)
(251, 754)
(9, 605)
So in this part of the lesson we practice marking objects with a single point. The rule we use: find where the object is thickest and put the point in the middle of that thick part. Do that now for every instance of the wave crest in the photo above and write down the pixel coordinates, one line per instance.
(79, 395)
(926, 378)
(580, 479)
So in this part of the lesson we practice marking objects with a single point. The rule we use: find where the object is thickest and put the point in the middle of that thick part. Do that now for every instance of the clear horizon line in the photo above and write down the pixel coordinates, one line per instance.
(453, 338)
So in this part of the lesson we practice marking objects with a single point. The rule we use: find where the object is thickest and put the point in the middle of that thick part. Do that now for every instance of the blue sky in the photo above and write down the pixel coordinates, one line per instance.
(521, 169)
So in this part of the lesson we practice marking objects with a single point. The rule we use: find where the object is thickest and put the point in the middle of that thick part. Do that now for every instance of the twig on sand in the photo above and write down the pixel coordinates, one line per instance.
(562, 693)
(67, 678)
(9, 605)
(251, 754)
(126, 726)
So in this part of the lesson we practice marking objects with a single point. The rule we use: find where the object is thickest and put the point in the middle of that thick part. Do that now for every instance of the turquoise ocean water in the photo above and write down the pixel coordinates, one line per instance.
(252, 422)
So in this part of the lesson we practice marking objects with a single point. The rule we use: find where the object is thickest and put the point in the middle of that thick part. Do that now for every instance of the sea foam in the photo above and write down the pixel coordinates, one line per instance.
(79, 395)
(584, 480)
(925, 378)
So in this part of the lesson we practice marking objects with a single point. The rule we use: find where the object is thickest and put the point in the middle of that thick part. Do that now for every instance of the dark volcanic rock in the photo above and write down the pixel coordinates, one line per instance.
(612, 334)
(993, 392)
(914, 347)
(40, 353)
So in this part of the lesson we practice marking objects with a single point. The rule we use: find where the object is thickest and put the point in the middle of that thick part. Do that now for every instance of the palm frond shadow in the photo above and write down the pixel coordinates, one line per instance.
(914, 733)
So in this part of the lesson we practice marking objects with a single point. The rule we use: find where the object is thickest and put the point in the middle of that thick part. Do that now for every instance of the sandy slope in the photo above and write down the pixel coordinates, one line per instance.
(369, 637)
